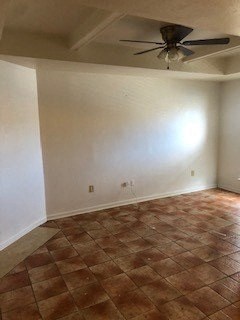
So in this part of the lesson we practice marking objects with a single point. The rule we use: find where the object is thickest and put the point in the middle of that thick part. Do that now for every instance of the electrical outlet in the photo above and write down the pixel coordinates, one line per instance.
(192, 173)
(91, 189)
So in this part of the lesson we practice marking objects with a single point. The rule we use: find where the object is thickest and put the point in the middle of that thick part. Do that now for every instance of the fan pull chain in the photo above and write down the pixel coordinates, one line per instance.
(168, 65)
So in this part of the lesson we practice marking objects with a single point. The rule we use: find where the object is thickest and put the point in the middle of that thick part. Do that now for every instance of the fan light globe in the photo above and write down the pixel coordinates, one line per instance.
(173, 54)
(180, 55)
(163, 54)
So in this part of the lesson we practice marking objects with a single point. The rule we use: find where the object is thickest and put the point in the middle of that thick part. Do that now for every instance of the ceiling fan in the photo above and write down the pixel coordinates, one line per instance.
(173, 47)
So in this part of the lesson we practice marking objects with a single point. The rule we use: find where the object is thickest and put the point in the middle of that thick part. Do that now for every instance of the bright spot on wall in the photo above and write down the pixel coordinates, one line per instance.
(192, 129)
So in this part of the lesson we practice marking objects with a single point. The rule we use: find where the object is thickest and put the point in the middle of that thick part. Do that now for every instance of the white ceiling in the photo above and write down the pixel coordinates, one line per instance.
(91, 30)
(54, 17)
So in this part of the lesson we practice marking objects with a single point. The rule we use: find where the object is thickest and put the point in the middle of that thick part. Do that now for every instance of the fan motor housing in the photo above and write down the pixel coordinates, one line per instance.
(169, 34)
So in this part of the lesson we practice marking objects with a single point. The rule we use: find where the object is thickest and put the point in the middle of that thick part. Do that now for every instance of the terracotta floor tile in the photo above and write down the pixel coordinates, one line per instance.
(207, 300)
(129, 262)
(151, 315)
(37, 260)
(138, 245)
(171, 249)
(236, 276)
(73, 316)
(65, 222)
(119, 228)
(118, 285)
(88, 247)
(19, 268)
(226, 265)
(49, 288)
(166, 267)
(79, 238)
(190, 243)
(89, 295)
(99, 233)
(105, 270)
(207, 273)
(107, 241)
(207, 238)
(224, 247)
(144, 231)
(191, 230)
(82, 219)
(14, 281)
(98, 257)
(63, 253)
(151, 255)
(94, 225)
(160, 291)
(115, 250)
(79, 278)
(58, 235)
(219, 316)
(110, 222)
(206, 253)
(50, 224)
(127, 236)
(234, 240)
(143, 275)
(126, 218)
(57, 306)
(185, 282)
(43, 248)
(103, 311)
(29, 312)
(175, 234)
(57, 244)
(157, 239)
(133, 303)
(181, 309)
(159, 226)
(230, 312)
(43, 273)
(187, 260)
(77, 229)
(235, 256)
(228, 288)
(15, 299)
(70, 265)
(178, 238)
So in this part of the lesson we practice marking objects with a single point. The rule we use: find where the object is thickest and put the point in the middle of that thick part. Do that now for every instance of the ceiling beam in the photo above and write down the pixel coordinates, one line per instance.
(4, 4)
(87, 31)
(210, 51)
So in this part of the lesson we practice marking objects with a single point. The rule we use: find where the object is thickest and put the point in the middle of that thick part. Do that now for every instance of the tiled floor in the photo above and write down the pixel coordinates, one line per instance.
(176, 258)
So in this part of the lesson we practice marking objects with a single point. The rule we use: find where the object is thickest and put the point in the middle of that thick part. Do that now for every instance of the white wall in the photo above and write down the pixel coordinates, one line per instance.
(229, 154)
(105, 129)
(22, 199)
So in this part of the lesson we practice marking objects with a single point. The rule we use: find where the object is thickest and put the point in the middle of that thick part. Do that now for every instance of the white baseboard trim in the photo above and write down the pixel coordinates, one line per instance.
(21, 233)
(229, 188)
(66, 214)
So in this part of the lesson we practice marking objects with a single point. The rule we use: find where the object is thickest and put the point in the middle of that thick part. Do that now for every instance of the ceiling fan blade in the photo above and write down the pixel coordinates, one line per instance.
(142, 41)
(182, 32)
(145, 51)
(206, 42)
(187, 52)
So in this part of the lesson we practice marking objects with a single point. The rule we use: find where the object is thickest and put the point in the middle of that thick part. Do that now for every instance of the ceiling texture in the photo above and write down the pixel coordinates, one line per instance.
(88, 31)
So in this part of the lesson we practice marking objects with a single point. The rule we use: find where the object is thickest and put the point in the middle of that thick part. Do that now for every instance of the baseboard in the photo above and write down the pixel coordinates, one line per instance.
(126, 202)
(22, 233)
(229, 188)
